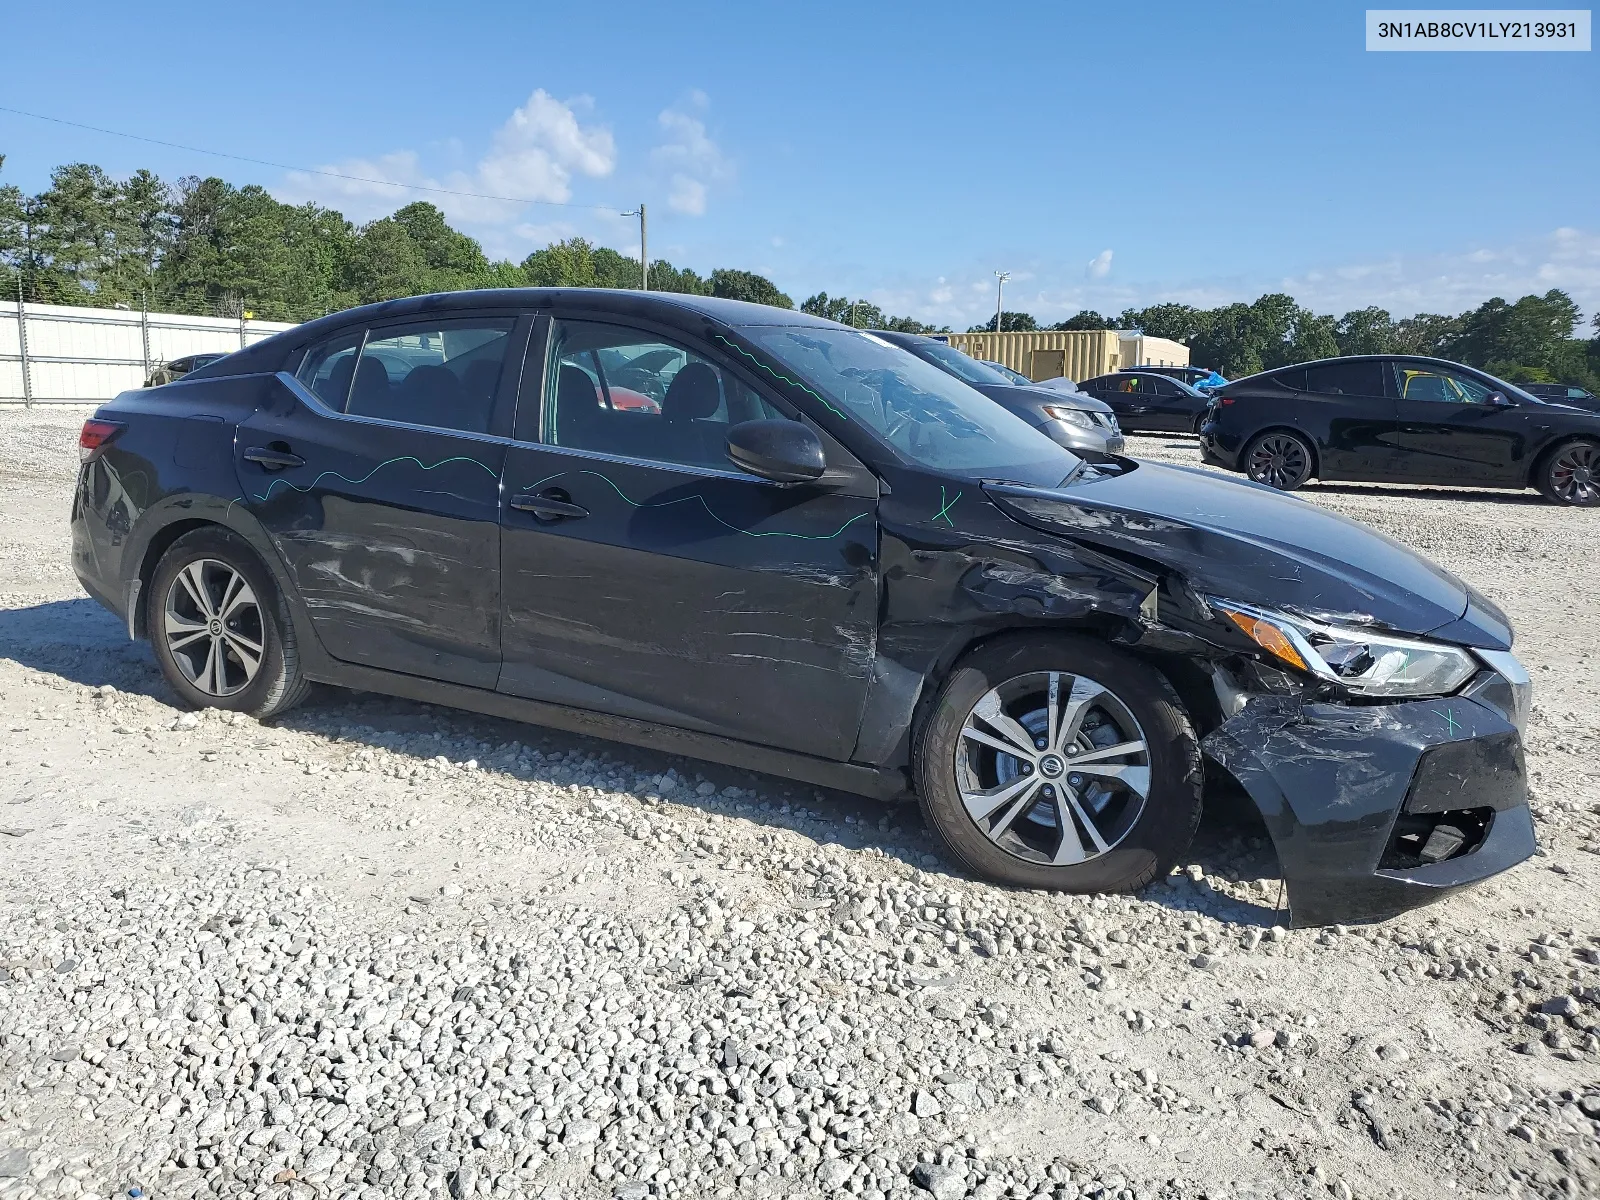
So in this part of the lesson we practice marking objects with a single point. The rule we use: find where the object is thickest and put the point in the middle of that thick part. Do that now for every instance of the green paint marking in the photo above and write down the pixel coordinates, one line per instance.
(387, 462)
(946, 506)
(809, 537)
(1449, 715)
(791, 382)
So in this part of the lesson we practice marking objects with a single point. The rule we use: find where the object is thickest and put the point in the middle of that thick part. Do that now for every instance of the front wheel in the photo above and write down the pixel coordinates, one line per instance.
(1057, 762)
(1571, 474)
(1279, 459)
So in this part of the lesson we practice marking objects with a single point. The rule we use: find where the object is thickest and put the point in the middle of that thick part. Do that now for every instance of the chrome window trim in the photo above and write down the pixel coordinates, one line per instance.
(654, 463)
(308, 397)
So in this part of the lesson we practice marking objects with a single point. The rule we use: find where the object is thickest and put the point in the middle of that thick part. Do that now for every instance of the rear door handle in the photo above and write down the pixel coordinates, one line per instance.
(273, 460)
(551, 508)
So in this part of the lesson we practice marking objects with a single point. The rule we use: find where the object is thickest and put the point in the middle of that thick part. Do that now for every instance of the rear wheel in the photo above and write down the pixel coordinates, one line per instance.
(1057, 762)
(1570, 474)
(1279, 459)
(219, 627)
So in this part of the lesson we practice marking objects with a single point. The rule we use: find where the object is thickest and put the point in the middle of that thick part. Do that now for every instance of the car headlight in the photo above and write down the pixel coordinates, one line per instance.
(1072, 416)
(1364, 661)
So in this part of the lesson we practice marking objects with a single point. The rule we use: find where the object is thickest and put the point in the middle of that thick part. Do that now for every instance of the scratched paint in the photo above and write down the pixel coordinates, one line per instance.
(701, 500)
(385, 463)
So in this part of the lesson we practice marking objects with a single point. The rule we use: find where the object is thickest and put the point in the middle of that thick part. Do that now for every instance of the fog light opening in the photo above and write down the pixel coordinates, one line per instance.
(1421, 839)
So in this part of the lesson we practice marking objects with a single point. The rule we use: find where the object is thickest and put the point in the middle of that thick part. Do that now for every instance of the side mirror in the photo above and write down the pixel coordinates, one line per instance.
(782, 451)
(1499, 399)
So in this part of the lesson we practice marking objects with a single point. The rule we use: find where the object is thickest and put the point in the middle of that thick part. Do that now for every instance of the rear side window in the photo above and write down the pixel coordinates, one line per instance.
(1346, 379)
(328, 367)
(441, 374)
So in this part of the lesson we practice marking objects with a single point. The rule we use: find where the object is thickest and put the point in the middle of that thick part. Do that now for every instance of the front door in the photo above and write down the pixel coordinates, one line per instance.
(1448, 431)
(647, 577)
(376, 471)
(1171, 408)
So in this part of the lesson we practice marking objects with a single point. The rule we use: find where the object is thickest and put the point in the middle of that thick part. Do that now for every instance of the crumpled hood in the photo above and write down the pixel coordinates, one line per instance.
(1250, 543)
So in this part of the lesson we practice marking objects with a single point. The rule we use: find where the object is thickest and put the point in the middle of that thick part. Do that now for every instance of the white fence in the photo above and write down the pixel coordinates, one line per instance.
(55, 354)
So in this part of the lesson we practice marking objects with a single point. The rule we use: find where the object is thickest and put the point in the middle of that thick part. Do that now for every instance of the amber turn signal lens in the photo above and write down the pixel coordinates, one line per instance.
(1269, 637)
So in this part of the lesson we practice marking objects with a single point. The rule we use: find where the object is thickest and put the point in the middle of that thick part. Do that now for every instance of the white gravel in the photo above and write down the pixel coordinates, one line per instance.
(379, 949)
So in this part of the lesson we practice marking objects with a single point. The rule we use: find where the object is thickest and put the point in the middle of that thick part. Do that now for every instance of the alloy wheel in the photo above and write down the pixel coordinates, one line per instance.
(1575, 474)
(1052, 768)
(1279, 460)
(213, 626)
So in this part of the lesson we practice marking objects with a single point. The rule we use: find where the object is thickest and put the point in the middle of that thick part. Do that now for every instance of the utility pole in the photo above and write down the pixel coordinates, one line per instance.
(644, 252)
(22, 346)
(1000, 278)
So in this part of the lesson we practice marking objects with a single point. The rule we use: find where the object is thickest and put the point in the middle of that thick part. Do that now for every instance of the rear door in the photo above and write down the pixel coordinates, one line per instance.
(1344, 405)
(376, 471)
(647, 577)
(1449, 431)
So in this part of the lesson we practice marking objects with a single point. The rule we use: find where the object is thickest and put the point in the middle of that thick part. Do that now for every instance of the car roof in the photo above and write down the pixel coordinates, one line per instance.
(677, 309)
(903, 339)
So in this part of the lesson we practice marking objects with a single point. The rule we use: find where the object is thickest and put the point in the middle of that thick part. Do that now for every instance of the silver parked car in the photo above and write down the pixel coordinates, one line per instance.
(1079, 422)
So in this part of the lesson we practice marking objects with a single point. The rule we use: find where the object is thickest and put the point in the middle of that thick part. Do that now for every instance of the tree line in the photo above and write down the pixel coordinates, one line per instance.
(1533, 340)
(203, 245)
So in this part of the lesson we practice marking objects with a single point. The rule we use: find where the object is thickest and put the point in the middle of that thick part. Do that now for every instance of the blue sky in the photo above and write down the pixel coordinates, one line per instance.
(1106, 155)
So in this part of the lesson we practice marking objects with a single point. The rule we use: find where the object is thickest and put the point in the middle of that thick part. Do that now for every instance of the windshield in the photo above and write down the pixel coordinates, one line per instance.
(959, 364)
(927, 417)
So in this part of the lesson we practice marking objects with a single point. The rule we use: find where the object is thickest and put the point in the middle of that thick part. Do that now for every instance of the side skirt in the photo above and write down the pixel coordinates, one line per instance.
(876, 783)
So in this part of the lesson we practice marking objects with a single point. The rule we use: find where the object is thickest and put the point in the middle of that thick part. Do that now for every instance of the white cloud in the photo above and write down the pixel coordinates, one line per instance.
(689, 156)
(532, 156)
(1100, 265)
(1450, 282)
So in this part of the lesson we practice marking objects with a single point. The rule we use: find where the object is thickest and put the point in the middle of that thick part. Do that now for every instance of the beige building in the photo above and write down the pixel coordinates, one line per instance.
(1141, 350)
(1077, 354)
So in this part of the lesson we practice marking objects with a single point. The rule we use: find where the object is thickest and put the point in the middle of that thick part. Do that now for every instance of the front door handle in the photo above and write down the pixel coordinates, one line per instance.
(272, 459)
(553, 505)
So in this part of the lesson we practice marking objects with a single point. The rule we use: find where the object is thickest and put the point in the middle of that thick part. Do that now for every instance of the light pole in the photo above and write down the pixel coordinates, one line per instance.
(644, 257)
(1000, 278)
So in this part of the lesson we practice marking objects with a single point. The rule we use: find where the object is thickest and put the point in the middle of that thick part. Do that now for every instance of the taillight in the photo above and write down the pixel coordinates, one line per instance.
(1225, 399)
(95, 437)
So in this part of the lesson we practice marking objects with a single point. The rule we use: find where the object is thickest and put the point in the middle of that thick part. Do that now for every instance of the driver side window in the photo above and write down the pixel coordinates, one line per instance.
(626, 392)
(1418, 381)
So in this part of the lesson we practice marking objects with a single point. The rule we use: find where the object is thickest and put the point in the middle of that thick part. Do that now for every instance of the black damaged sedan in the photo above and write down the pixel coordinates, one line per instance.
(747, 535)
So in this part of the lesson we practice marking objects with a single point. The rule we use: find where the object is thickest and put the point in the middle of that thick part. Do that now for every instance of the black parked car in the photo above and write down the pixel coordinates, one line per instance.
(1193, 376)
(171, 372)
(1402, 419)
(1563, 393)
(818, 556)
(1144, 400)
(1074, 419)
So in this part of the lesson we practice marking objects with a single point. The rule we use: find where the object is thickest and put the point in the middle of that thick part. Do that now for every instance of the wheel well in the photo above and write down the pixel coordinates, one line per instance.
(1311, 444)
(1549, 452)
(160, 542)
(960, 648)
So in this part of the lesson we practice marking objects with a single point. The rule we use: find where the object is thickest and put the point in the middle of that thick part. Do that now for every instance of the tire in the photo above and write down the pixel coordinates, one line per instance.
(1279, 459)
(205, 651)
(1570, 474)
(1121, 840)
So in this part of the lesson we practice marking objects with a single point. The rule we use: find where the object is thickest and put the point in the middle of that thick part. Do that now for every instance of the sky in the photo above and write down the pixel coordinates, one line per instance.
(1107, 156)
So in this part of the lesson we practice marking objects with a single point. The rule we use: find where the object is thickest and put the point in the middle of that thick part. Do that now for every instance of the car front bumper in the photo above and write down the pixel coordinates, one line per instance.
(1351, 794)
(1090, 441)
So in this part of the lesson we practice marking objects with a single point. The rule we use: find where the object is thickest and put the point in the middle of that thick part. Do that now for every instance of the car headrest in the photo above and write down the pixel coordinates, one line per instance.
(694, 394)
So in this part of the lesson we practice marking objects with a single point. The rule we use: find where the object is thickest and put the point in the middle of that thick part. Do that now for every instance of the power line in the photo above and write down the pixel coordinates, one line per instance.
(262, 162)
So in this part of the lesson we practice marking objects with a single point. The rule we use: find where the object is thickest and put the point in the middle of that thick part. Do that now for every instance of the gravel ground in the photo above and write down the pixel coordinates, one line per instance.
(379, 949)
